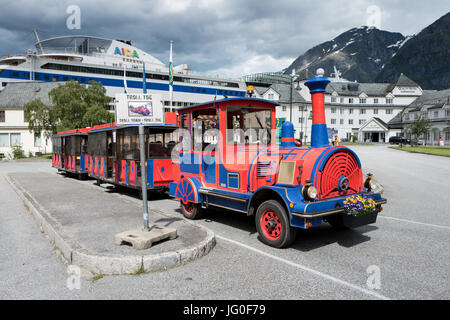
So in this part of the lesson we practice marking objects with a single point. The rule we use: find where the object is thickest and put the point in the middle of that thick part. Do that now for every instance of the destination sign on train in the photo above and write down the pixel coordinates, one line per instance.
(139, 109)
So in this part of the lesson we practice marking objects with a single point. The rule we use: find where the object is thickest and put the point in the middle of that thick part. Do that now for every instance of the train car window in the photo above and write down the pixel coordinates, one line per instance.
(248, 125)
(205, 129)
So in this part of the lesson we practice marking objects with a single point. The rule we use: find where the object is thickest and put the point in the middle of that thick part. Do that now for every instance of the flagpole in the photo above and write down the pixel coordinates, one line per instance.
(171, 77)
(125, 78)
(144, 84)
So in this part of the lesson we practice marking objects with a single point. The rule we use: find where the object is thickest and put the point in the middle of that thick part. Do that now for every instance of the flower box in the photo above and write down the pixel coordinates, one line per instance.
(355, 221)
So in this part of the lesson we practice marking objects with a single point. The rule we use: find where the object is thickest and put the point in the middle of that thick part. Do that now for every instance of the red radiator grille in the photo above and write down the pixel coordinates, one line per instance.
(341, 165)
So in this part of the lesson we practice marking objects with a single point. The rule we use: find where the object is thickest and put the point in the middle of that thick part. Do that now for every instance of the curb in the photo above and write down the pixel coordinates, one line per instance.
(73, 253)
(410, 151)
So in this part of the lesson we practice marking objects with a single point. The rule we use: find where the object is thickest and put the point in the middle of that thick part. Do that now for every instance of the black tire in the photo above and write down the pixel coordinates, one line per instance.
(191, 210)
(273, 224)
(336, 221)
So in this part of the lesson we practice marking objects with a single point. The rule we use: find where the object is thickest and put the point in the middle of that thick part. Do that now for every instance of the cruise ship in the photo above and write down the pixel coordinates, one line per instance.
(86, 58)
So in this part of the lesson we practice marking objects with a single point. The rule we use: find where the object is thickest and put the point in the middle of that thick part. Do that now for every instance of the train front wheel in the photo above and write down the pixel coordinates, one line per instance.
(191, 210)
(272, 223)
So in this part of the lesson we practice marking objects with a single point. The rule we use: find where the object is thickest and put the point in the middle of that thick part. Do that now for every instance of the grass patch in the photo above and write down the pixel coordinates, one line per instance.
(427, 150)
(97, 277)
(356, 143)
(139, 271)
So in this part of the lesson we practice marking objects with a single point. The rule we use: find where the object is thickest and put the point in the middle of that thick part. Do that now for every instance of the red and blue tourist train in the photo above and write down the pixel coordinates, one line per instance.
(70, 151)
(114, 155)
(232, 161)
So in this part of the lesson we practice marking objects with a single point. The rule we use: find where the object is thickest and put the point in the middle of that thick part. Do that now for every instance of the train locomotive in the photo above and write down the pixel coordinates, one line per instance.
(229, 160)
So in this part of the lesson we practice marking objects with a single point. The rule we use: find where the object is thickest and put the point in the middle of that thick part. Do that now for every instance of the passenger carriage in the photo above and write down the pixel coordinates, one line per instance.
(114, 155)
(230, 160)
(70, 151)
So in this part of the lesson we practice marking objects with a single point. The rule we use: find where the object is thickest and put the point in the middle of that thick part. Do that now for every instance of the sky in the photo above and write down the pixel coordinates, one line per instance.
(219, 37)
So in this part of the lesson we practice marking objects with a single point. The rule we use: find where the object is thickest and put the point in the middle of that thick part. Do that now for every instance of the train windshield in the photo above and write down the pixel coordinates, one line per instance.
(248, 125)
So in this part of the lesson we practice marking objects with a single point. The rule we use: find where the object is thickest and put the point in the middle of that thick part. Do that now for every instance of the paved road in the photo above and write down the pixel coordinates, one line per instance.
(409, 244)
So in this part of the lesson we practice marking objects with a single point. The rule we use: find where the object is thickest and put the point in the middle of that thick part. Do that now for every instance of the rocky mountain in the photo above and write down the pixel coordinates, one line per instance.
(425, 58)
(359, 54)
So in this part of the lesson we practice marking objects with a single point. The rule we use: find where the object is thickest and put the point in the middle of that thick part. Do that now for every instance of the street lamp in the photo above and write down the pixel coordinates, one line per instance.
(293, 78)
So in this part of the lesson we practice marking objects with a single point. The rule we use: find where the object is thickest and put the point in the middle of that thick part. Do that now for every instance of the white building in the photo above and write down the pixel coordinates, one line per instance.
(432, 105)
(13, 125)
(360, 110)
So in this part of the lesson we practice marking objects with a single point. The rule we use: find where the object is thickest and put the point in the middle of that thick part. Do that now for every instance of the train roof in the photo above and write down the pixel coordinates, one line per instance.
(213, 102)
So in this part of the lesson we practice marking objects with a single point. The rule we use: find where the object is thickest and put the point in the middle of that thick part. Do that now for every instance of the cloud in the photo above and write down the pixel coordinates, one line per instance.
(231, 36)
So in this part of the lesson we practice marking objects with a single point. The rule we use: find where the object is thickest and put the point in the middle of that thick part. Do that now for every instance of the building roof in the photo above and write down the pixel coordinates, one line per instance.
(284, 92)
(355, 88)
(16, 94)
(402, 81)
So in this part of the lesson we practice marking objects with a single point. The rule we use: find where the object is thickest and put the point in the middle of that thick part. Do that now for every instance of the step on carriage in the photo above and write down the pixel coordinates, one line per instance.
(70, 151)
(114, 155)
(232, 162)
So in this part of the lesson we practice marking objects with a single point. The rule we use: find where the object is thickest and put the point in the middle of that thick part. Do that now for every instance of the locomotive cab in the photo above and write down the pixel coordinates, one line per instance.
(230, 159)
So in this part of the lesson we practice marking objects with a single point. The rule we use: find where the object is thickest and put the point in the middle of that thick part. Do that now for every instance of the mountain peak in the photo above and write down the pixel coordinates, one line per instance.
(359, 53)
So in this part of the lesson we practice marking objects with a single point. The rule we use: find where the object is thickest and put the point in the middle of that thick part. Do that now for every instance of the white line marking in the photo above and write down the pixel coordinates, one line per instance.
(304, 268)
(416, 222)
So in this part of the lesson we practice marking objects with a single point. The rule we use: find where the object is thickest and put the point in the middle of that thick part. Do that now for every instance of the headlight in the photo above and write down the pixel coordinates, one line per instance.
(312, 192)
(309, 192)
(372, 185)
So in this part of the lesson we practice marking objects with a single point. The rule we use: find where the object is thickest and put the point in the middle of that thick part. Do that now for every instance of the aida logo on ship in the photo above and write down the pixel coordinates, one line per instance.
(126, 52)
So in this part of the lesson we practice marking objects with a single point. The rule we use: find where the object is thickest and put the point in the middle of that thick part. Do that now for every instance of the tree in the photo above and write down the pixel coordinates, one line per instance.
(40, 118)
(420, 127)
(78, 106)
(73, 106)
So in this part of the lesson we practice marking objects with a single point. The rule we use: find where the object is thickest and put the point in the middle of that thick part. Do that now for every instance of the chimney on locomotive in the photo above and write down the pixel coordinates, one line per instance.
(317, 85)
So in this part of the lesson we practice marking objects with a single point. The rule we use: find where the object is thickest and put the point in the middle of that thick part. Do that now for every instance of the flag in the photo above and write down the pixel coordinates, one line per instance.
(171, 76)
(124, 79)
(144, 84)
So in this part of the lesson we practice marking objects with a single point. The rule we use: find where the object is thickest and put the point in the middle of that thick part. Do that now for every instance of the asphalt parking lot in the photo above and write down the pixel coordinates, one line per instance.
(409, 246)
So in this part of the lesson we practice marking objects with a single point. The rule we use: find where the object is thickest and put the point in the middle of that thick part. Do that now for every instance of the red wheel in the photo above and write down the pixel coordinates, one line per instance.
(191, 210)
(273, 225)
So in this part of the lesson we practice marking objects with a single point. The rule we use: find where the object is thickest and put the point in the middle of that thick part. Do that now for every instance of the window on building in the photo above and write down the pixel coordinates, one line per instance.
(350, 111)
(375, 111)
(388, 111)
(341, 110)
(362, 111)
(333, 99)
(362, 121)
(447, 113)
(375, 100)
(37, 140)
(2, 115)
(350, 121)
(300, 120)
(341, 121)
(15, 139)
(436, 114)
(283, 108)
(362, 100)
(447, 135)
(4, 140)
(333, 121)
(270, 96)
(341, 100)
(389, 100)
(350, 100)
(333, 110)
